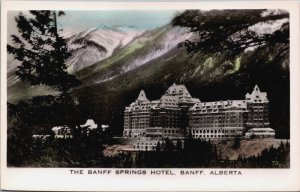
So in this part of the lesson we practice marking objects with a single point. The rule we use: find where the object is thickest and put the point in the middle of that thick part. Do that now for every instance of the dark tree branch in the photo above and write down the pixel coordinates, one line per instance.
(227, 32)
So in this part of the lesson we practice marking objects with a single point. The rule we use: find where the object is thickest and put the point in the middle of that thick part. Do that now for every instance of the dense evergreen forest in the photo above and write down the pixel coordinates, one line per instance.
(87, 152)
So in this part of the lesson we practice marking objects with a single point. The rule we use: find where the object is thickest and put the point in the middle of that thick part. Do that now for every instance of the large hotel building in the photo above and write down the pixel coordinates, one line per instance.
(177, 114)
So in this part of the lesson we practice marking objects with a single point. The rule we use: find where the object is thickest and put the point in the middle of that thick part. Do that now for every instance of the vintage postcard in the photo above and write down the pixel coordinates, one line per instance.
(150, 96)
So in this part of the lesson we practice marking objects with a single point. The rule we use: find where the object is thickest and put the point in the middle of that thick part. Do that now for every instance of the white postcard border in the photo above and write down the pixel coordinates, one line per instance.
(51, 179)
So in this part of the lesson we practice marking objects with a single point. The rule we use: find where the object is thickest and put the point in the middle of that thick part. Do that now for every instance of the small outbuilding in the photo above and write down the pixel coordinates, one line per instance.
(260, 133)
(90, 124)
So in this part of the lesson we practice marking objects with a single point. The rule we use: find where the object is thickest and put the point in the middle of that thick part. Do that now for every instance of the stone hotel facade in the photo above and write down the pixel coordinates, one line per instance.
(177, 114)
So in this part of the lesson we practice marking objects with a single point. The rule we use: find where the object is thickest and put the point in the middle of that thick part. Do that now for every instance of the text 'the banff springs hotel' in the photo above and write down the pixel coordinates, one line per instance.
(176, 115)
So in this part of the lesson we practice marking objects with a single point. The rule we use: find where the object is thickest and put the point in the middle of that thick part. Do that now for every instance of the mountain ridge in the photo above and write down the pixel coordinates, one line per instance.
(152, 61)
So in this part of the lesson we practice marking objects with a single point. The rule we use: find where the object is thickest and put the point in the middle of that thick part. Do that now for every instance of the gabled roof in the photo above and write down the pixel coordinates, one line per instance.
(139, 105)
(174, 95)
(257, 96)
(90, 124)
(236, 104)
(215, 106)
(168, 101)
(178, 90)
(142, 96)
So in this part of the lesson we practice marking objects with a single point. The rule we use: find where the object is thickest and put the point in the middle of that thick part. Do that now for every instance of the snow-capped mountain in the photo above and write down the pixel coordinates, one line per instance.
(134, 53)
(90, 46)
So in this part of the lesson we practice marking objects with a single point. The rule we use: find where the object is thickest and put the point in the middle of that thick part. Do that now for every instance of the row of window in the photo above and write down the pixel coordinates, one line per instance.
(133, 132)
(140, 116)
(212, 131)
(139, 126)
(199, 116)
(214, 136)
(146, 146)
(256, 104)
(216, 121)
(139, 122)
(215, 118)
(171, 131)
(152, 148)
(215, 125)
(146, 143)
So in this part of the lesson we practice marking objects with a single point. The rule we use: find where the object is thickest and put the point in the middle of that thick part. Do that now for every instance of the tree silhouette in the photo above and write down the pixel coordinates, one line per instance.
(236, 143)
(228, 32)
(41, 51)
(158, 148)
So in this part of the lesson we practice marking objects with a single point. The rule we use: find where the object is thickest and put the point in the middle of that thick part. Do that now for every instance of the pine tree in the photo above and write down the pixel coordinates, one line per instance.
(236, 143)
(42, 51)
(158, 148)
(227, 32)
(43, 54)
(179, 145)
(169, 146)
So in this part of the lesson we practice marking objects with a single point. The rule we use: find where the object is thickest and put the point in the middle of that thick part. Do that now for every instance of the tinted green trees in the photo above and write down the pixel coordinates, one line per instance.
(42, 53)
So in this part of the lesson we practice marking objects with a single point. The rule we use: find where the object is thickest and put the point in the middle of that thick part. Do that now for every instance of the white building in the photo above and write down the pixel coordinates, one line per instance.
(104, 127)
(62, 132)
(90, 124)
(65, 131)
(260, 133)
(177, 114)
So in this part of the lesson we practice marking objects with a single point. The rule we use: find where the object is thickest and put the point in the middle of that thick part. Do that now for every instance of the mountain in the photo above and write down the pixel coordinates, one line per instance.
(144, 48)
(88, 47)
(115, 63)
(115, 82)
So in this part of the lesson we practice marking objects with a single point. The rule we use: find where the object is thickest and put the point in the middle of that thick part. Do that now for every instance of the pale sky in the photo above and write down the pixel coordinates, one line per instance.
(139, 19)
(84, 20)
